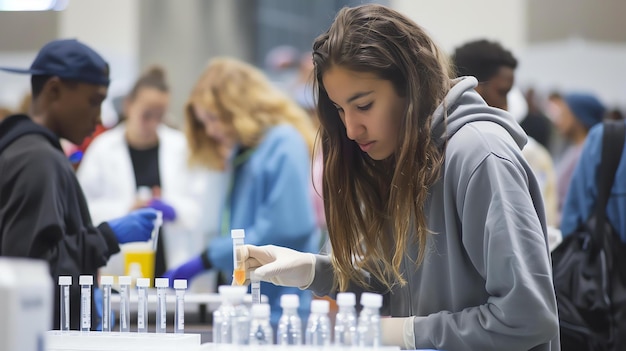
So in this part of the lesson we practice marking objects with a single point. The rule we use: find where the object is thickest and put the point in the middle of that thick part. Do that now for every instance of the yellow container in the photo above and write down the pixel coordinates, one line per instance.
(139, 262)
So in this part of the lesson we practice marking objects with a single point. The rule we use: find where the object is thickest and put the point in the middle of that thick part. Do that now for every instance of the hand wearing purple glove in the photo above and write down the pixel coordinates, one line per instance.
(136, 226)
(169, 214)
(189, 269)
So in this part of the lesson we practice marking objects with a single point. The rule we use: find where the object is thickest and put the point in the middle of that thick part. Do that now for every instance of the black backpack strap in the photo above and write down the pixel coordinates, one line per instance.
(612, 146)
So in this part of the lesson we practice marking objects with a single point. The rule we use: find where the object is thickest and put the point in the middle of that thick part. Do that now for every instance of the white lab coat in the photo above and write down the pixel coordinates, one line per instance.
(107, 178)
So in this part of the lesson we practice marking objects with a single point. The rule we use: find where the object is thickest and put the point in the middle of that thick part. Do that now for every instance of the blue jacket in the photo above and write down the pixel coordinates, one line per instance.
(271, 200)
(582, 194)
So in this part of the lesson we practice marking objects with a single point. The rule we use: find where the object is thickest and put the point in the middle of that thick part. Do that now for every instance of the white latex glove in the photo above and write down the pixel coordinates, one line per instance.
(398, 331)
(280, 265)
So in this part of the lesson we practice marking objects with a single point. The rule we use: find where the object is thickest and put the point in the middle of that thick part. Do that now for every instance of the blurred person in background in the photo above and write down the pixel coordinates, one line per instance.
(494, 67)
(536, 124)
(43, 212)
(238, 121)
(141, 153)
(573, 115)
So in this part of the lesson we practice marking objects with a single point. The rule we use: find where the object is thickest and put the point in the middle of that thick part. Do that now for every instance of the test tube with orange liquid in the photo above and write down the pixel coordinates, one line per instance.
(239, 274)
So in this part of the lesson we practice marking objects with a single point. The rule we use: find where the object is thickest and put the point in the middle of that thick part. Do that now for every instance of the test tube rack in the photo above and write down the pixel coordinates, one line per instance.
(116, 341)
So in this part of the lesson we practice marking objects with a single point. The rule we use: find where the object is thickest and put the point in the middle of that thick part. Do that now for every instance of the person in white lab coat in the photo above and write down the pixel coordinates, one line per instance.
(142, 152)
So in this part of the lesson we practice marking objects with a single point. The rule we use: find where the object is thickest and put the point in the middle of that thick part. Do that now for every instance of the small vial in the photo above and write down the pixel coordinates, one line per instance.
(179, 322)
(290, 324)
(346, 320)
(239, 274)
(225, 326)
(318, 325)
(124, 303)
(161, 314)
(158, 222)
(142, 304)
(369, 320)
(85, 281)
(261, 332)
(255, 288)
(105, 282)
(64, 285)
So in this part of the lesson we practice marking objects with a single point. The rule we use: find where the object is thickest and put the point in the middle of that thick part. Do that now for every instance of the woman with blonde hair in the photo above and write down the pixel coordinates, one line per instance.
(238, 122)
(426, 190)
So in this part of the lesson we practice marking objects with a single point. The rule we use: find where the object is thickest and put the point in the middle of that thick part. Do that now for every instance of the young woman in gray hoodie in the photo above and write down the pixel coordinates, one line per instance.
(428, 198)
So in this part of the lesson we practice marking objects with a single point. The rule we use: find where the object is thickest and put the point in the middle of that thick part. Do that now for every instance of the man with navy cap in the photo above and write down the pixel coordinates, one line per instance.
(43, 212)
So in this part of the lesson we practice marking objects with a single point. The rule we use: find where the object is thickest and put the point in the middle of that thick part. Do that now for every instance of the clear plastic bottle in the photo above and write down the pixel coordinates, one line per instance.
(105, 282)
(290, 324)
(124, 303)
(180, 285)
(369, 320)
(64, 285)
(224, 317)
(161, 314)
(142, 304)
(261, 332)
(318, 325)
(85, 281)
(346, 320)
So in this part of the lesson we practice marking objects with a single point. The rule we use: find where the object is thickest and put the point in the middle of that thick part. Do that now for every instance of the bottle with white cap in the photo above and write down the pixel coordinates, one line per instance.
(64, 285)
(105, 282)
(369, 320)
(345, 321)
(124, 282)
(261, 332)
(161, 313)
(142, 304)
(290, 325)
(318, 325)
(180, 285)
(85, 281)
(225, 330)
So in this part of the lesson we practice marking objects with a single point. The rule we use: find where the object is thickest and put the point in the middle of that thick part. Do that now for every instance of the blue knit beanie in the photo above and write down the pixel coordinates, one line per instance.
(586, 108)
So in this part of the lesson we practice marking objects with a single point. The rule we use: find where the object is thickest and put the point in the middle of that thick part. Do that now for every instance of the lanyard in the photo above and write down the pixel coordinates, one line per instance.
(239, 160)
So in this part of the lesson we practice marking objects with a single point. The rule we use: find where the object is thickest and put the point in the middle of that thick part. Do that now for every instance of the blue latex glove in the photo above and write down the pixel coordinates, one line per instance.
(169, 214)
(187, 270)
(136, 226)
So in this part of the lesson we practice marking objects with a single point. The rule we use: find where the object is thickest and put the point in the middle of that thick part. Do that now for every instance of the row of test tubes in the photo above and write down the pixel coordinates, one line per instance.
(161, 284)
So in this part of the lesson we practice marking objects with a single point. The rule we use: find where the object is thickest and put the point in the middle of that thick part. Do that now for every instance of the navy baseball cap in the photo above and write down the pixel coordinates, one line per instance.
(68, 59)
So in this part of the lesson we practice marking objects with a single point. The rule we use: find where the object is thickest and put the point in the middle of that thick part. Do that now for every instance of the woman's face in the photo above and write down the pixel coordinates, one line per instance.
(145, 112)
(215, 128)
(369, 107)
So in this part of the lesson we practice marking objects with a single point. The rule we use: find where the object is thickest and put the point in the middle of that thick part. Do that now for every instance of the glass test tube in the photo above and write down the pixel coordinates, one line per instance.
(239, 274)
(255, 287)
(158, 222)
(64, 285)
(142, 304)
(85, 281)
(180, 285)
(105, 282)
(161, 314)
(124, 303)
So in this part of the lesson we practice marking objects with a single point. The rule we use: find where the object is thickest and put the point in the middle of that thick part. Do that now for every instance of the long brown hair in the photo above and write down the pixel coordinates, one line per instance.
(365, 199)
(242, 97)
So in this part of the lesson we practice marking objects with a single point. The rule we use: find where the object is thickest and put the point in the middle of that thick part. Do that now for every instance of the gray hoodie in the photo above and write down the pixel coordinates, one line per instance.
(486, 281)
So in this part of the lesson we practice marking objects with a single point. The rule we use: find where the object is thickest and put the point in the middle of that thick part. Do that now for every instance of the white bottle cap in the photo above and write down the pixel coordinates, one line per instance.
(162, 282)
(346, 299)
(237, 233)
(371, 300)
(180, 283)
(65, 280)
(290, 301)
(124, 280)
(143, 282)
(106, 280)
(85, 280)
(228, 290)
(320, 306)
(261, 310)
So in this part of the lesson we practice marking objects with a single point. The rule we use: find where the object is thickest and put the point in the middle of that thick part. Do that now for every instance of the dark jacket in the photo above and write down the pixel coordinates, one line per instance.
(43, 212)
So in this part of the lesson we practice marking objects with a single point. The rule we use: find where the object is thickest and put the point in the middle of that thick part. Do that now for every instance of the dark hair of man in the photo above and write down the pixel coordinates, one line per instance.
(482, 59)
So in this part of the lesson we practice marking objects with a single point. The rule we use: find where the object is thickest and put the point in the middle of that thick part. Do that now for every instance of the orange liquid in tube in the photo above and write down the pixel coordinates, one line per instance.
(240, 276)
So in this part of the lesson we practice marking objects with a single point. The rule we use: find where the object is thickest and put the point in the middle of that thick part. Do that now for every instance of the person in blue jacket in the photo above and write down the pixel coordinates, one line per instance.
(583, 190)
(237, 121)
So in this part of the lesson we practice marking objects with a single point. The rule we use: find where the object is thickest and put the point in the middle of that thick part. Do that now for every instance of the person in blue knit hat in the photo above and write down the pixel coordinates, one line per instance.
(574, 114)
